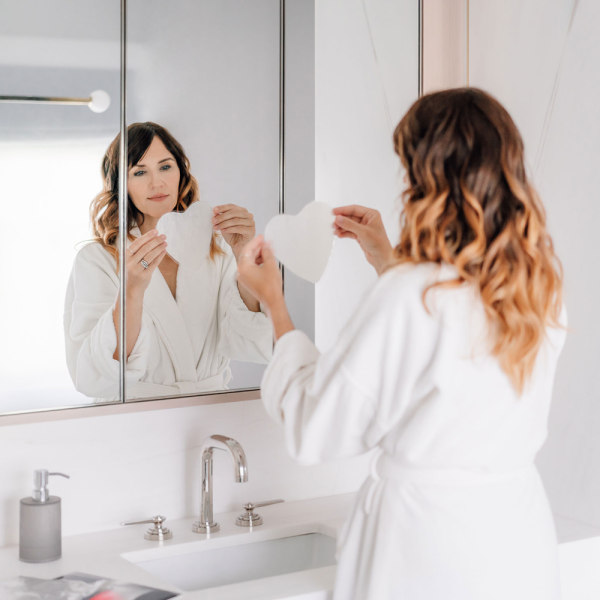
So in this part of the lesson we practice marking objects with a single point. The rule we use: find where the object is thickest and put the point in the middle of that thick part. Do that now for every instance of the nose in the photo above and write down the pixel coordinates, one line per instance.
(156, 180)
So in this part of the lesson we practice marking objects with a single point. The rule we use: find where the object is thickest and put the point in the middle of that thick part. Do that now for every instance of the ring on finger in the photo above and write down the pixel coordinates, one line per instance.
(144, 263)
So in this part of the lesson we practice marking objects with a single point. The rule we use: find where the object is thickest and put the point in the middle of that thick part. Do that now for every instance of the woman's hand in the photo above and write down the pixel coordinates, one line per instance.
(151, 248)
(258, 271)
(236, 225)
(366, 227)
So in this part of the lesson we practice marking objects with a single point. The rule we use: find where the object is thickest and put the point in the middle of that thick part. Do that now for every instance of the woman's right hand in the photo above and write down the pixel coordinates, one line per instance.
(366, 227)
(150, 247)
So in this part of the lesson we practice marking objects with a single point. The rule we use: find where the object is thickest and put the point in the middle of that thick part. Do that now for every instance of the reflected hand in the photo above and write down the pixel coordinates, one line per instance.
(236, 225)
(366, 227)
(258, 271)
(150, 247)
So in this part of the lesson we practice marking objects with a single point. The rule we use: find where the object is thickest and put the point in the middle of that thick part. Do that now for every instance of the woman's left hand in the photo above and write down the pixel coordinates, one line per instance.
(258, 271)
(236, 225)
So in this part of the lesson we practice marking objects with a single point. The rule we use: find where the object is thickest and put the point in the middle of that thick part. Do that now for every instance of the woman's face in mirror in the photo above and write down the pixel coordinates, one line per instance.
(153, 183)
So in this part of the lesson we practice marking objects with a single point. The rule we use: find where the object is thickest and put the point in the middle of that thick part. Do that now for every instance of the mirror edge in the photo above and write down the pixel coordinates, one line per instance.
(118, 408)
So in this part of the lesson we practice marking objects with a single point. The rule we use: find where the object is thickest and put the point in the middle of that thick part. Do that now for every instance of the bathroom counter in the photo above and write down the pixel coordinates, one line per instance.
(101, 553)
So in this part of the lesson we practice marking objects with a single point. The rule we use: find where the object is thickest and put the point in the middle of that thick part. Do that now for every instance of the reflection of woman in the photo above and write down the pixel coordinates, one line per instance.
(183, 327)
(447, 368)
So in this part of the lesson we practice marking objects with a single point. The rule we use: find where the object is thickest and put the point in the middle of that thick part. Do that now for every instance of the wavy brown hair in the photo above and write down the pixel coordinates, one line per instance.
(104, 210)
(469, 203)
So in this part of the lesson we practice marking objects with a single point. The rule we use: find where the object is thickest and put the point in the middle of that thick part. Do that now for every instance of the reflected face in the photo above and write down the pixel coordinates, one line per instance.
(153, 183)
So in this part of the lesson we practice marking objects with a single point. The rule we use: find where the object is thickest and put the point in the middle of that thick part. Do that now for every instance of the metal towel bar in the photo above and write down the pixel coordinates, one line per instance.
(98, 102)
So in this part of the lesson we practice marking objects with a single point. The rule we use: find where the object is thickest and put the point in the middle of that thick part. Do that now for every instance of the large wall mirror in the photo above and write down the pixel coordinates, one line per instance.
(203, 95)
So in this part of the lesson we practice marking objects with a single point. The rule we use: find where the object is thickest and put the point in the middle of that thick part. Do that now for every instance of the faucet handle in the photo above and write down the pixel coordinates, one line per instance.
(252, 505)
(250, 518)
(158, 533)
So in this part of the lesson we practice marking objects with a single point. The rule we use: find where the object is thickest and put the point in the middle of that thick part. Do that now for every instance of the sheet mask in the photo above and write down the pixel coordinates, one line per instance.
(188, 234)
(303, 242)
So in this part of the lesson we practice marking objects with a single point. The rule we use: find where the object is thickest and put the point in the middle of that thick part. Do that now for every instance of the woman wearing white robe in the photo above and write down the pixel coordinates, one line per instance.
(189, 324)
(454, 508)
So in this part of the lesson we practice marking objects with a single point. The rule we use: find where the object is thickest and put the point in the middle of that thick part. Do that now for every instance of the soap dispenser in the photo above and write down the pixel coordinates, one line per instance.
(40, 522)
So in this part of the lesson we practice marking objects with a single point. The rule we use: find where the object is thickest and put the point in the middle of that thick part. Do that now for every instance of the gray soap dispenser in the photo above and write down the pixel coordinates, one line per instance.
(40, 522)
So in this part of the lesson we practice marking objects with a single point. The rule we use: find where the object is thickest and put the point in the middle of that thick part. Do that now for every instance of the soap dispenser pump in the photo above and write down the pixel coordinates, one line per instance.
(40, 522)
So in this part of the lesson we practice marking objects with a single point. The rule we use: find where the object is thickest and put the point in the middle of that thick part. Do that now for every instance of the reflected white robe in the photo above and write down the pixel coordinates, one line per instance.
(184, 345)
(454, 508)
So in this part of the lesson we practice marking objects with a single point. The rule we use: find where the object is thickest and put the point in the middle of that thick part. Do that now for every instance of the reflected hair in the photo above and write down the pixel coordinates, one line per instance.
(104, 209)
(469, 203)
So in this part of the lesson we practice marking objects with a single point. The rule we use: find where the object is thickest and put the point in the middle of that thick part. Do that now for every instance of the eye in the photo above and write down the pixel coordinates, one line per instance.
(165, 167)
(138, 173)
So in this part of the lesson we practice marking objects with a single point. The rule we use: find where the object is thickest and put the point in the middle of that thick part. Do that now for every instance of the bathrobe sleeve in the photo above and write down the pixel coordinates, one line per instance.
(90, 335)
(343, 402)
(244, 335)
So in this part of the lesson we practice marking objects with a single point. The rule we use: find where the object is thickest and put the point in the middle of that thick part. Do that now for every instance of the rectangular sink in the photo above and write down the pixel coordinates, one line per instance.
(198, 570)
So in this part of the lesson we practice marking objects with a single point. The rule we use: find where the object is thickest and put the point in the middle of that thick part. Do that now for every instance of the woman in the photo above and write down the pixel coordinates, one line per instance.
(447, 369)
(183, 327)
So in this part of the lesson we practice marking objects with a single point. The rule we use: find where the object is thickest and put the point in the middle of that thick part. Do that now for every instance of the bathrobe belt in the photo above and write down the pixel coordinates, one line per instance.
(388, 468)
(385, 468)
(146, 389)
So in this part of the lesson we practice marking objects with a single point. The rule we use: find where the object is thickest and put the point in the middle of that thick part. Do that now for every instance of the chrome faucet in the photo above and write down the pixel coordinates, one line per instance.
(240, 474)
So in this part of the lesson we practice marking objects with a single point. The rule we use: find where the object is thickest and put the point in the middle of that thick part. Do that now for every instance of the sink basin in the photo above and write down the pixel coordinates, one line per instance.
(207, 568)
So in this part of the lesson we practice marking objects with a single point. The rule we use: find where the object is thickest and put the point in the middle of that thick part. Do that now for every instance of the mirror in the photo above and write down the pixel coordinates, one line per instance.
(49, 165)
(203, 109)
(208, 72)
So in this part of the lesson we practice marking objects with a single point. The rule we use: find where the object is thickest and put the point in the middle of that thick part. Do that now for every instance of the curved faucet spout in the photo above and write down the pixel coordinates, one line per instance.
(240, 474)
(221, 442)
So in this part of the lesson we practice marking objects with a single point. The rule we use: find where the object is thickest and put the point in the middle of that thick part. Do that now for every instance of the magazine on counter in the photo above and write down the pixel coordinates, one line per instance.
(78, 586)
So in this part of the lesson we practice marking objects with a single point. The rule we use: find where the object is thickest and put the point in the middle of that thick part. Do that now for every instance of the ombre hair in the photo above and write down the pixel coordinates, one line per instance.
(469, 203)
(104, 209)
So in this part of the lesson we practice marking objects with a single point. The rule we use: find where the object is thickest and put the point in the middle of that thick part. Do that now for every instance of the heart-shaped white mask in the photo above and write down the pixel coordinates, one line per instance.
(188, 234)
(303, 242)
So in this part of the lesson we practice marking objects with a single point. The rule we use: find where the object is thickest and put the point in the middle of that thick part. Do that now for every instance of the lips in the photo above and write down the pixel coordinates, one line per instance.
(158, 197)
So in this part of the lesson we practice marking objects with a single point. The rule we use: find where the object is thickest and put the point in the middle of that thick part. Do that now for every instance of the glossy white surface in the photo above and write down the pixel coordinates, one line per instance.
(245, 560)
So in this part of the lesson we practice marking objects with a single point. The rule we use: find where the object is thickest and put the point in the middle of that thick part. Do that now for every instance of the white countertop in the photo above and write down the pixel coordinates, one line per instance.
(101, 553)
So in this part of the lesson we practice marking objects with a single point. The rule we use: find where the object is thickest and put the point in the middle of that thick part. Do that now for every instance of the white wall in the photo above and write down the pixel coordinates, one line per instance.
(366, 79)
(516, 49)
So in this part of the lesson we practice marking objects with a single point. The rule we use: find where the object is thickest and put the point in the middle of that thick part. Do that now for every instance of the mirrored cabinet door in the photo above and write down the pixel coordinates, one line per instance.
(203, 107)
(50, 158)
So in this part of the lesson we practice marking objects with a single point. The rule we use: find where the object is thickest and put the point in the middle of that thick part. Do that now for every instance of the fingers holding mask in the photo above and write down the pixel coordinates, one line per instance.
(146, 244)
(231, 215)
(143, 257)
(236, 225)
(154, 256)
(259, 272)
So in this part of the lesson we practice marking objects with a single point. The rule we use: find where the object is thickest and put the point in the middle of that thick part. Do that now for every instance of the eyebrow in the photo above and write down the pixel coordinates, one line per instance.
(159, 162)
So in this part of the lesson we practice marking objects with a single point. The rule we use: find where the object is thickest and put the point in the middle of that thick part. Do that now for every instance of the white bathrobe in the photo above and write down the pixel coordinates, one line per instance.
(454, 508)
(184, 345)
